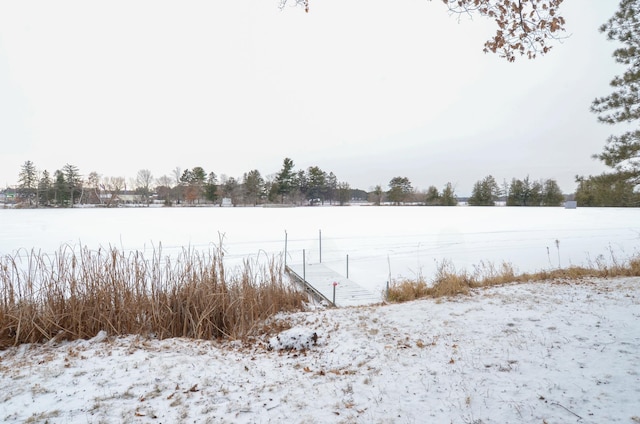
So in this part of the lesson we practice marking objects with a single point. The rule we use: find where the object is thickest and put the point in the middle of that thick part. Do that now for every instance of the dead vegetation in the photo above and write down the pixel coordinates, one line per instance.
(76, 294)
(451, 282)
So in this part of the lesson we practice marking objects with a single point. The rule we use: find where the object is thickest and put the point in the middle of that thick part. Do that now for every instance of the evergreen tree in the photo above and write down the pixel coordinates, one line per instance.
(606, 190)
(524, 193)
(448, 197)
(551, 194)
(535, 193)
(485, 192)
(211, 187)
(285, 179)
(45, 189)
(316, 184)
(253, 185)
(28, 183)
(73, 182)
(198, 175)
(300, 186)
(192, 184)
(400, 190)
(186, 177)
(432, 198)
(60, 189)
(516, 193)
(331, 187)
(622, 152)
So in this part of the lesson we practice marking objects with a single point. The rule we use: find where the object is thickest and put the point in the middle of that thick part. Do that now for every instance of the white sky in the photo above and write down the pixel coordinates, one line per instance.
(368, 89)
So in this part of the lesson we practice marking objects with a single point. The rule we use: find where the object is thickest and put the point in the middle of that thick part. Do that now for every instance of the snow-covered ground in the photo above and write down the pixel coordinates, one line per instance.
(541, 352)
(383, 243)
(554, 352)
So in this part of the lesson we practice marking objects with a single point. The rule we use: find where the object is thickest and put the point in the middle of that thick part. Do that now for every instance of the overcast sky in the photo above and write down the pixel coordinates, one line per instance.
(368, 89)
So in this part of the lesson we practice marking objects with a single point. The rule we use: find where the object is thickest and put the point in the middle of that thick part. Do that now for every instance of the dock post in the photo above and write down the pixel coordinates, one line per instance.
(334, 293)
(320, 241)
(285, 249)
(304, 266)
(347, 267)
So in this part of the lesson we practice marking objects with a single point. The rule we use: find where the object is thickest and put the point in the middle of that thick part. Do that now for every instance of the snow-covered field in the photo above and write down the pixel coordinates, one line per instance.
(553, 352)
(383, 243)
(561, 352)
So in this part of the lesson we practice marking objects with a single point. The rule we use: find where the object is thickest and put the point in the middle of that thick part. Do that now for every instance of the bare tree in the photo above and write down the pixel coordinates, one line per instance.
(163, 189)
(377, 195)
(165, 181)
(93, 183)
(113, 186)
(177, 178)
(143, 184)
(177, 175)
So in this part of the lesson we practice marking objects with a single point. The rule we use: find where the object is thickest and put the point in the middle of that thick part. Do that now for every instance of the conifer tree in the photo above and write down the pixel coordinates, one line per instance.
(485, 192)
(28, 180)
(622, 151)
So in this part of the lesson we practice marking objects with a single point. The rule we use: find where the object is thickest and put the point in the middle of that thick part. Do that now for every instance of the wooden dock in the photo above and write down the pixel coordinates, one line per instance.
(319, 280)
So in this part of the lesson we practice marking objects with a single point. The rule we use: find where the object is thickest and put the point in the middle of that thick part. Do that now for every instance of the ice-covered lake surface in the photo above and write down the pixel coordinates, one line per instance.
(382, 243)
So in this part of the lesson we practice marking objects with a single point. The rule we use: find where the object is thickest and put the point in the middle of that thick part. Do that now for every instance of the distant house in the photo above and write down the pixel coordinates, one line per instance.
(8, 195)
(125, 197)
(130, 197)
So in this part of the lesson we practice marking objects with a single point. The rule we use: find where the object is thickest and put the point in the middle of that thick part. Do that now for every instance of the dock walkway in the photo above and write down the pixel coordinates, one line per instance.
(319, 279)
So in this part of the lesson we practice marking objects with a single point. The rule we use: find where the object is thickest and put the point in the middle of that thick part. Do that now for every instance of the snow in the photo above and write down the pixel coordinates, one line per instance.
(545, 352)
(554, 352)
(383, 243)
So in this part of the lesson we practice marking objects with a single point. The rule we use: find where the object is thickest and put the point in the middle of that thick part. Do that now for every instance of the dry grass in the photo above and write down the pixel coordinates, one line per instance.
(75, 295)
(450, 282)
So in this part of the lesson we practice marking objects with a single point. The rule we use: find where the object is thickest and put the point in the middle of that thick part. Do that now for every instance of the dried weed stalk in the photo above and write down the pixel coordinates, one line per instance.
(75, 294)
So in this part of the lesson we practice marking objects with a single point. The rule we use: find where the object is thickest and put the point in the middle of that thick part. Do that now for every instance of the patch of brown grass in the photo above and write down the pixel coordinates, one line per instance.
(451, 282)
(75, 295)
(406, 290)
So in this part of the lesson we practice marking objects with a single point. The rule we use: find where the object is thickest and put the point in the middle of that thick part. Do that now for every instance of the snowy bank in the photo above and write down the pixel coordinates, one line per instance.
(557, 352)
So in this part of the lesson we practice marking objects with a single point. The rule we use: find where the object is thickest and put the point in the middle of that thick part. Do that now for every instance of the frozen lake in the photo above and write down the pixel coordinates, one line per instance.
(382, 242)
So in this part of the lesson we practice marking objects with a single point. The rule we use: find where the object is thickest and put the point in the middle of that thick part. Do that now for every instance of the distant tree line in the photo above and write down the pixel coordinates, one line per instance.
(63, 188)
(518, 193)
(311, 186)
(189, 186)
(401, 192)
(607, 190)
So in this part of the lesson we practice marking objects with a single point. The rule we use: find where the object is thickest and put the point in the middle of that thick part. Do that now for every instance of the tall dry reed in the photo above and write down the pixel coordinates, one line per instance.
(75, 293)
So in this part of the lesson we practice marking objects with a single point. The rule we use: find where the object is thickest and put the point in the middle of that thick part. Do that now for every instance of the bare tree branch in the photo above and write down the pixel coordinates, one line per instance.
(524, 26)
